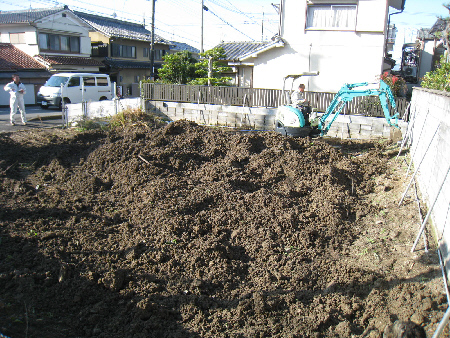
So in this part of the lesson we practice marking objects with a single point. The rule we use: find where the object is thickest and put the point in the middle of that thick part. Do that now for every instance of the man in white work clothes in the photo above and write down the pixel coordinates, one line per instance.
(298, 97)
(298, 100)
(16, 91)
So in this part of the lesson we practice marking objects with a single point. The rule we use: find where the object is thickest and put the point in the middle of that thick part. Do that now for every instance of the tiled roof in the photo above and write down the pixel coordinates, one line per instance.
(117, 28)
(12, 58)
(234, 50)
(180, 46)
(29, 15)
(113, 63)
(69, 60)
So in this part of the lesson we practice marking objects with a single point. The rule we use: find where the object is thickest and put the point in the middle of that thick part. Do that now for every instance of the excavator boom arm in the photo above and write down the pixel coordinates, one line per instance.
(347, 93)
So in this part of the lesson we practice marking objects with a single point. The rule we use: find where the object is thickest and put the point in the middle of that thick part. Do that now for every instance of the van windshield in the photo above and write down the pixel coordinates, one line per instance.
(56, 81)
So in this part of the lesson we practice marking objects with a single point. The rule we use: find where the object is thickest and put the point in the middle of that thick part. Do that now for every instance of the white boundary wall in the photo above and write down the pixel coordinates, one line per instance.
(99, 109)
(430, 152)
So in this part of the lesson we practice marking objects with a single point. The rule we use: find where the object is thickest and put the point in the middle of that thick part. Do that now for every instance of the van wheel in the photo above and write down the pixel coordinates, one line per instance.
(66, 101)
(103, 98)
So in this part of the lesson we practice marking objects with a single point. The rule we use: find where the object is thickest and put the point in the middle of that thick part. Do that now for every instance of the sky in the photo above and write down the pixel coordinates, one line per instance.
(181, 20)
(225, 20)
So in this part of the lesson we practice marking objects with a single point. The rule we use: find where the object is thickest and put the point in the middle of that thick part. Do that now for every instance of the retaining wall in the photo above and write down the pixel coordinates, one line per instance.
(345, 126)
(429, 139)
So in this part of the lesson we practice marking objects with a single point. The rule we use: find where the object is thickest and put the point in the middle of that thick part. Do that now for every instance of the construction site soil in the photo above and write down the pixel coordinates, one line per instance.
(189, 231)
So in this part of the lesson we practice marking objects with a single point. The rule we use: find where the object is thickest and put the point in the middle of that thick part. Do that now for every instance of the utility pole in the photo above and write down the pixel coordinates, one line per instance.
(204, 8)
(262, 28)
(201, 39)
(152, 44)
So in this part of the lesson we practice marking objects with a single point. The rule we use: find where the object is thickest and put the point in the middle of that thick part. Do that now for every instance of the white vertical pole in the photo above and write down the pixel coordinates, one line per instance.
(201, 36)
(115, 97)
(63, 105)
(442, 324)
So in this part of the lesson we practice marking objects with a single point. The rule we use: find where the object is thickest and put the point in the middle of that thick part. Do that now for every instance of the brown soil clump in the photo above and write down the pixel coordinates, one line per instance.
(188, 231)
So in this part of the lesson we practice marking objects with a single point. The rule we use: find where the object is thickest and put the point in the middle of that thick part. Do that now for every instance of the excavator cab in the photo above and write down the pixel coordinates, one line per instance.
(290, 120)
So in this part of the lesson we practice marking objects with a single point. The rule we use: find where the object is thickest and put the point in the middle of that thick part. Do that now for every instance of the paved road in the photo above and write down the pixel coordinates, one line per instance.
(36, 116)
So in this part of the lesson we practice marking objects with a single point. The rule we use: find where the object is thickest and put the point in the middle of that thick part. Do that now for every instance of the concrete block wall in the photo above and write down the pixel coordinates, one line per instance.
(429, 140)
(364, 127)
(345, 126)
(216, 115)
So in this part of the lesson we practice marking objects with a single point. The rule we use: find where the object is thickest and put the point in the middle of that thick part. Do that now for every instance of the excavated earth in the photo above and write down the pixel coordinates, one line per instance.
(187, 231)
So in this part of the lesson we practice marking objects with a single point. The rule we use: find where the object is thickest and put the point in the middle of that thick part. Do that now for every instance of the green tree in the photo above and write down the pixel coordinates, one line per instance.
(210, 69)
(178, 68)
(438, 79)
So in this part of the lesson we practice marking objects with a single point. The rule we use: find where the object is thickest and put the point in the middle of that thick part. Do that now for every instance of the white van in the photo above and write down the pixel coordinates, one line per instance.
(77, 87)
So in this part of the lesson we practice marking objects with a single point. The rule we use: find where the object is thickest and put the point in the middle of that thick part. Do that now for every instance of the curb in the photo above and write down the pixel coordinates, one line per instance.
(46, 117)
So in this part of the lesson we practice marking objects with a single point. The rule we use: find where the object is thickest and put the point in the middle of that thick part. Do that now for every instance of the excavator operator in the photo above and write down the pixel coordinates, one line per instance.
(298, 100)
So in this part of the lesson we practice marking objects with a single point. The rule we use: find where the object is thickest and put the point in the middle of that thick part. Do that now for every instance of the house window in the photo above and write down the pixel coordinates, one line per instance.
(17, 37)
(74, 44)
(331, 17)
(145, 52)
(64, 43)
(123, 51)
(159, 53)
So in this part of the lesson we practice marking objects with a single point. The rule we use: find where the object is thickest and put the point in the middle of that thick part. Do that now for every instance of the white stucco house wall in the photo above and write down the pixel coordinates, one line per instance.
(345, 40)
(55, 37)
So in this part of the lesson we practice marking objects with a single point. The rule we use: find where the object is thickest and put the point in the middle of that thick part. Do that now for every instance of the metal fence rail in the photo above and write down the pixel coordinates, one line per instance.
(256, 97)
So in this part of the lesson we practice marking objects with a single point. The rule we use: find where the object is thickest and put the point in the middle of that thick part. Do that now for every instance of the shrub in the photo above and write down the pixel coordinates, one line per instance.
(131, 116)
(438, 79)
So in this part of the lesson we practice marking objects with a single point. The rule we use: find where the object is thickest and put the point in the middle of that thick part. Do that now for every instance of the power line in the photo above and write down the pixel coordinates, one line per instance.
(231, 25)
(240, 12)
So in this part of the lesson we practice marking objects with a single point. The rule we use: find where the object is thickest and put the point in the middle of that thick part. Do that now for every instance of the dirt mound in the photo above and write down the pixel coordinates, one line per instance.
(187, 231)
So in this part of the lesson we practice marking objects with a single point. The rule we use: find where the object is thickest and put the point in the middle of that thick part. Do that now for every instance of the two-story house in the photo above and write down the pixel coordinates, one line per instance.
(124, 48)
(345, 40)
(55, 37)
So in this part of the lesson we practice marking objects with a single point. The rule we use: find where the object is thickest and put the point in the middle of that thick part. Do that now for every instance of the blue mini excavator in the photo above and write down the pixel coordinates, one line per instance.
(292, 121)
